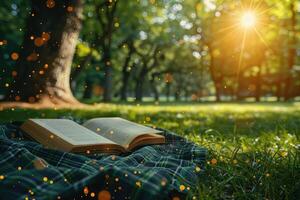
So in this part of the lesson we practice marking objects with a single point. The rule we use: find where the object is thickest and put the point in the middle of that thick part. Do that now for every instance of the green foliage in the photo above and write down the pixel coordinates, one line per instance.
(253, 148)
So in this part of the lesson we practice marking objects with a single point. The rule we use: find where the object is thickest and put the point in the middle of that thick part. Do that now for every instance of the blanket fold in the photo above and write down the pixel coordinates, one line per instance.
(150, 172)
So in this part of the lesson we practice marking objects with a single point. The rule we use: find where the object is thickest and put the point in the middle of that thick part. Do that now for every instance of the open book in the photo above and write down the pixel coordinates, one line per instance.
(108, 135)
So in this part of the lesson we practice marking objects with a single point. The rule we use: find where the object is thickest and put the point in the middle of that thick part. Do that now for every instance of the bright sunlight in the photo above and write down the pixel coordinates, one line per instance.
(248, 19)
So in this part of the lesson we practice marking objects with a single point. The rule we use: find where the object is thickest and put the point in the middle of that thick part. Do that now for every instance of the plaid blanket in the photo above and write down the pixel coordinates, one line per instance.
(29, 171)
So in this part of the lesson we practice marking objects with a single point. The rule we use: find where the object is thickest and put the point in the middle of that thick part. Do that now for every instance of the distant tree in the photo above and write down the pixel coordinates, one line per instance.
(292, 49)
(44, 63)
(105, 12)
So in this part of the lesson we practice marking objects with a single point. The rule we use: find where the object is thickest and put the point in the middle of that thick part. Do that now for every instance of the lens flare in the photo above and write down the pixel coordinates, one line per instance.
(248, 19)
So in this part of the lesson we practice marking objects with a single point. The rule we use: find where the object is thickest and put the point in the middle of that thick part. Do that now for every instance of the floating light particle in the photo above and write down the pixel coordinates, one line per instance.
(51, 181)
(117, 179)
(267, 174)
(40, 164)
(198, 169)
(117, 24)
(104, 195)
(32, 37)
(50, 3)
(6, 85)
(14, 56)
(138, 183)
(88, 151)
(31, 99)
(51, 136)
(45, 36)
(45, 178)
(163, 182)
(19, 168)
(181, 187)
(1, 43)
(113, 157)
(148, 119)
(98, 129)
(70, 9)
(235, 161)
(17, 98)
(14, 73)
(85, 190)
(2, 177)
(32, 57)
(92, 194)
(41, 72)
(213, 161)
(38, 41)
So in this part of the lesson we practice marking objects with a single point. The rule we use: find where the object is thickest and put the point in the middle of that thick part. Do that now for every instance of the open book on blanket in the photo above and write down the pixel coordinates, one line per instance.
(107, 135)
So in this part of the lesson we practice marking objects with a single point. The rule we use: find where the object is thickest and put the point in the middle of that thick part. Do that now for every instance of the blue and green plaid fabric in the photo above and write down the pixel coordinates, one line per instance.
(29, 171)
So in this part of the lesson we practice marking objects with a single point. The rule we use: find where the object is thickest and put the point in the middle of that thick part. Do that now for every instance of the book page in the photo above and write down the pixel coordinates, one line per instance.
(119, 130)
(71, 132)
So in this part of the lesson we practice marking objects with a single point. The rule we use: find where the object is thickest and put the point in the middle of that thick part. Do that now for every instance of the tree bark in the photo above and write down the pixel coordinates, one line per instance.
(44, 64)
(126, 73)
(153, 86)
(139, 87)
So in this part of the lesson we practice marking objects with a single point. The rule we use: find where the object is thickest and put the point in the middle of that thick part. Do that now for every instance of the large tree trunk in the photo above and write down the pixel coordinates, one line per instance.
(139, 87)
(126, 72)
(44, 65)
(153, 88)
(124, 88)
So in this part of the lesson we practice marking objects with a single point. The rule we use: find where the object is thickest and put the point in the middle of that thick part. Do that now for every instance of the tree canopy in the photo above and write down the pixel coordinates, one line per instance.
(179, 49)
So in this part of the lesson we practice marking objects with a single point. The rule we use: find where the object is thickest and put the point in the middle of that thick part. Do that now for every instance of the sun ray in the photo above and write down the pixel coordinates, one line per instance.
(228, 27)
(258, 5)
(261, 38)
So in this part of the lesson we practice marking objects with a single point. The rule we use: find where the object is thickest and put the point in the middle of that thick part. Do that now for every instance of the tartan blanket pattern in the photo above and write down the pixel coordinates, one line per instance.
(29, 171)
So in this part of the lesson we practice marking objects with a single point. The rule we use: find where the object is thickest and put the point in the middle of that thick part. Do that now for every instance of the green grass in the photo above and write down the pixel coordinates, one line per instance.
(253, 148)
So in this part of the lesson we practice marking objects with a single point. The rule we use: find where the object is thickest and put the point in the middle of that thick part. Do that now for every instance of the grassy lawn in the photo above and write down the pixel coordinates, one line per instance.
(253, 148)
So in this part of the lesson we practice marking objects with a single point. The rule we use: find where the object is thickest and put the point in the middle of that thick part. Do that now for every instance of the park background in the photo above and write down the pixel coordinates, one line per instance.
(222, 73)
